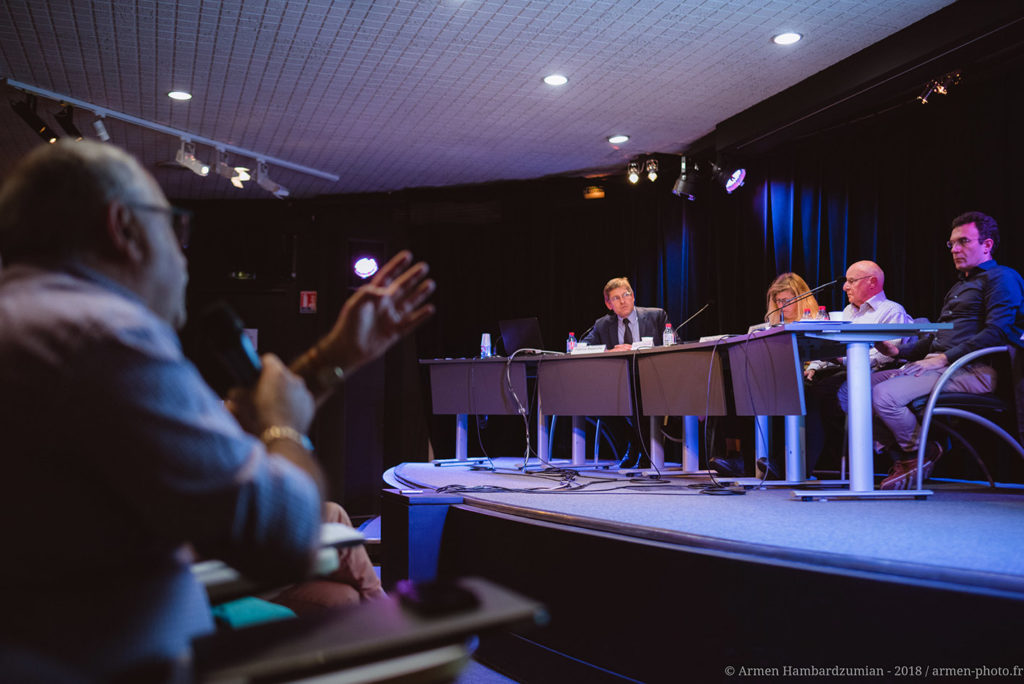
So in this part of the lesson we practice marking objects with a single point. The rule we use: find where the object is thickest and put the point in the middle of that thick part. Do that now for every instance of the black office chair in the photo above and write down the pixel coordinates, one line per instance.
(1005, 405)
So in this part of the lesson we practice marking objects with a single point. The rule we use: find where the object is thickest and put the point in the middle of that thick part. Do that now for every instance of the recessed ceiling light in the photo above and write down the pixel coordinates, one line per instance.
(787, 38)
(179, 95)
(556, 80)
(616, 139)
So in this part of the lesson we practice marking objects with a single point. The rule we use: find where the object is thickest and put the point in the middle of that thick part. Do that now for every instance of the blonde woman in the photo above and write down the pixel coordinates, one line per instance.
(784, 288)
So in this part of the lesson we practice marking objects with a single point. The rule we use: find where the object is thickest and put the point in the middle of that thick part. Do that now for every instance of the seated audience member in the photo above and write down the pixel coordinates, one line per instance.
(986, 308)
(825, 424)
(624, 325)
(625, 322)
(118, 457)
(780, 309)
(355, 579)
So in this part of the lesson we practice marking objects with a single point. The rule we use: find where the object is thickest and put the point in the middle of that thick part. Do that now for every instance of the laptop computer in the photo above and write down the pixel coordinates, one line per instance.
(520, 333)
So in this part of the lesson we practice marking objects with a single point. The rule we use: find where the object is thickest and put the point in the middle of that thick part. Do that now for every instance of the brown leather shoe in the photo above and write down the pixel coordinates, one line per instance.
(903, 474)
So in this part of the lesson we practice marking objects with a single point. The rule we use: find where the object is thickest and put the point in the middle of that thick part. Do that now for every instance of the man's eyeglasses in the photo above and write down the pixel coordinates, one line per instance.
(963, 242)
(620, 298)
(851, 281)
(181, 220)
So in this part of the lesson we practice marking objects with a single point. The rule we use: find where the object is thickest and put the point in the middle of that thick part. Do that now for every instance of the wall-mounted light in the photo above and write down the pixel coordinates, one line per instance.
(26, 109)
(186, 156)
(365, 267)
(264, 181)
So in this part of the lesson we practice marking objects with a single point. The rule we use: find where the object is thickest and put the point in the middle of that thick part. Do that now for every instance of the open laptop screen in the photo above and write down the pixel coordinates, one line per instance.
(520, 333)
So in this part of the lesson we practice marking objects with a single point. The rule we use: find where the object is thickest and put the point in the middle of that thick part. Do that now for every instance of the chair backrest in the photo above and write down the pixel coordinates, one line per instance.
(1016, 395)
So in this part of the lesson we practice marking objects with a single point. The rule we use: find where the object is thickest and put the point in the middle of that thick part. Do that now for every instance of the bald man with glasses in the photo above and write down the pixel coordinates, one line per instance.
(826, 421)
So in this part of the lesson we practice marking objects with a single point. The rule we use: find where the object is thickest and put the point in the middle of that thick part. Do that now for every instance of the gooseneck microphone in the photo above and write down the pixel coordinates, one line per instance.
(699, 312)
(797, 298)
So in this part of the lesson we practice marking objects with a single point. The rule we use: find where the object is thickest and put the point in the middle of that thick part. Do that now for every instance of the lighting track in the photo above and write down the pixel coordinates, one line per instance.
(160, 128)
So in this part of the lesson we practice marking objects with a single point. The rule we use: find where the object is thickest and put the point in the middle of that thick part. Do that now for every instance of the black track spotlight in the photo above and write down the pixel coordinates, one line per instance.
(26, 109)
(686, 184)
(66, 118)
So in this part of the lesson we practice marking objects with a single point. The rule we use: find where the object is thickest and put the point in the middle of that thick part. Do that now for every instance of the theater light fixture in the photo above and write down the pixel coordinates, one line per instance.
(733, 180)
(66, 118)
(26, 109)
(939, 85)
(264, 181)
(730, 178)
(686, 184)
(186, 156)
(101, 130)
(236, 174)
(633, 172)
(651, 168)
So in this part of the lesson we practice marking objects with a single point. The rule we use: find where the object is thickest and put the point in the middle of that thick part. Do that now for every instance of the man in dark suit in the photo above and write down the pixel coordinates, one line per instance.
(626, 323)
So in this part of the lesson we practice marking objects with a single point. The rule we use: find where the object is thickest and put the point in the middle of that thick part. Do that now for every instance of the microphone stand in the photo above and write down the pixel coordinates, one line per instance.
(791, 300)
(702, 309)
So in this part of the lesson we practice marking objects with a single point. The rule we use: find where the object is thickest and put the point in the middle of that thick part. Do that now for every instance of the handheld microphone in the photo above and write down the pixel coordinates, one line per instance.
(797, 298)
(223, 353)
(702, 309)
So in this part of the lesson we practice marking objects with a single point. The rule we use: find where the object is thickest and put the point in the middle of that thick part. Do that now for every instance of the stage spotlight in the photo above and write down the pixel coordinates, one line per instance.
(236, 174)
(27, 111)
(734, 180)
(66, 118)
(264, 181)
(634, 172)
(685, 185)
(730, 180)
(186, 156)
(651, 168)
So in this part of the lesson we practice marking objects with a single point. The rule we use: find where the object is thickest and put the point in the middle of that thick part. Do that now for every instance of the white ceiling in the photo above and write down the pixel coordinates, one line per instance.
(390, 95)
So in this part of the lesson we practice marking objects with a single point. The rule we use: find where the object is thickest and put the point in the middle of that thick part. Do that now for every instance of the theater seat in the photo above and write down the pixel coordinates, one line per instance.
(1004, 406)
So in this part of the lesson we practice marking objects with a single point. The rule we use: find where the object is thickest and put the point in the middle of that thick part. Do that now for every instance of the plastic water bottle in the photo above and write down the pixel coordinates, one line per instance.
(570, 343)
(668, 337)
(485, 346)
(807, 315)
(822, 313)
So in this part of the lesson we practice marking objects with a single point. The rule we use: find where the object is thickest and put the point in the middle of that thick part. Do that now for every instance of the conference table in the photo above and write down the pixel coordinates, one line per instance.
(755, 374)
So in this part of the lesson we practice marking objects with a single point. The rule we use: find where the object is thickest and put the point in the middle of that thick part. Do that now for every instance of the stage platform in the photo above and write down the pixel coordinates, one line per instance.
(760, 579)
